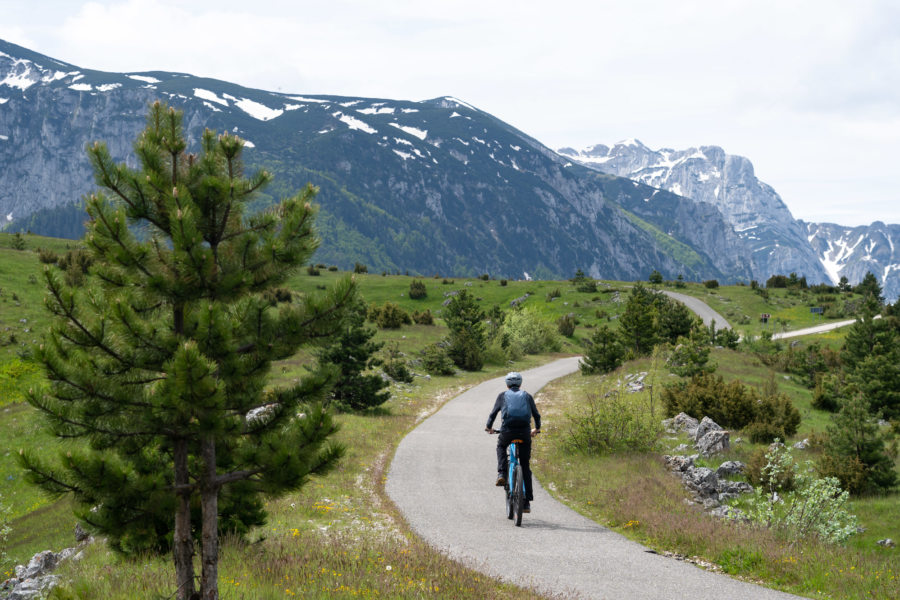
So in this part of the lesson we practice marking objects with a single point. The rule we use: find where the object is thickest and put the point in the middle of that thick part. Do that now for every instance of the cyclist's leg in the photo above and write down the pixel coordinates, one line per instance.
(503, 440)
(525, 459)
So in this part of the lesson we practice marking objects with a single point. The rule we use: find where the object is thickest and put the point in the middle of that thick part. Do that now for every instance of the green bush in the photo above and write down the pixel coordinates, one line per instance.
(436, 361)
(485, 277)
(528, 333)
(389, 316)
(423, 318)
(395, 365)
(689, 358)
(417, 289)
(587, 286)
(711, 283)
(816, 508)
(552, 294)
(565, 325)
(76, 263)
(503, 282)
(47, 256)
(360, 268)
(333, 268)
(312, 270)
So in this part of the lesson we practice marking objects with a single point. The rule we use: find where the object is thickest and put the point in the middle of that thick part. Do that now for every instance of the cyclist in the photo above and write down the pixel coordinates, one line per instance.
(516, 407)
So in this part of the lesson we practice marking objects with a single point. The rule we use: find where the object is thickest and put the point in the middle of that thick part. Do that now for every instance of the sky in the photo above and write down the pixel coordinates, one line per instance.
(808, 90)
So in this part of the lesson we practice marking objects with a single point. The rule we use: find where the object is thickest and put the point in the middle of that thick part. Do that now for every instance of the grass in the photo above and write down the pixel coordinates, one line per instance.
(633, 494)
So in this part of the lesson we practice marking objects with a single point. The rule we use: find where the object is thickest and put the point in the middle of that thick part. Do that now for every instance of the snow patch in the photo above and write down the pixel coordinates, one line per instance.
(303, 99)
(409, 110)
(249, 144)
(377, 110)
(403, 155)
(4, 138)
(144, 78)
(208, 95)
(4, 100)
(419, 133)
(293, 106)
(257, 110)
(350, 103)
(354, 123)
(459, 102)
(108, 87)
(211, 106)
(81, 87)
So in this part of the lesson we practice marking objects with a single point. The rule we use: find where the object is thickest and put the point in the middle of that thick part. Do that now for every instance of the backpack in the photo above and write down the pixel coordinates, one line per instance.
(516, 408)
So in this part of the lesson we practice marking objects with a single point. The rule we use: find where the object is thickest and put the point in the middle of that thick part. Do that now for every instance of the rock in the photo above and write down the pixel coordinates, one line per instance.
(713, 442)
(802, 444)
(886, 542)
(681, 448)
(702, 480)
(705, 426)
(32, 588)
(734, 487)
(731, 467)
(678, 463)
(39, 564)
(686, 423)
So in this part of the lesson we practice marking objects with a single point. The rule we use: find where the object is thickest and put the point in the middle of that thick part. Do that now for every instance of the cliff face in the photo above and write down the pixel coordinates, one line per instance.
(776, 242)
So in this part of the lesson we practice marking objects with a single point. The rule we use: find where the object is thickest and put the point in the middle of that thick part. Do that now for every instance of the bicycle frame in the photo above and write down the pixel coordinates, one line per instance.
(513, 461)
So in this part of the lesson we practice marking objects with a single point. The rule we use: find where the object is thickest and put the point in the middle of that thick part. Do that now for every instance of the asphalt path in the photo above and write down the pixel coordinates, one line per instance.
(701, 309)
(442, 481)
(816, 329)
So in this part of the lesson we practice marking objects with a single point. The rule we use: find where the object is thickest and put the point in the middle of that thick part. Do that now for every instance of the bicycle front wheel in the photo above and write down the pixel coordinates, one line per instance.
(519, 495)
(510, 505)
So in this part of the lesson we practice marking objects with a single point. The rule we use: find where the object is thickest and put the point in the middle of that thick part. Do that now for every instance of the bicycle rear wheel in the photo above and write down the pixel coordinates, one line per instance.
(510, 505)
(519, 495)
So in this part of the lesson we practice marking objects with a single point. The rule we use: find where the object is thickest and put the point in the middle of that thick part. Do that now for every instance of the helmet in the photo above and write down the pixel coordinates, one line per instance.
(513, 379)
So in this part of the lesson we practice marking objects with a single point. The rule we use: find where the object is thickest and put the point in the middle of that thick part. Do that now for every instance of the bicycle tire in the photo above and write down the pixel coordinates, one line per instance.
(510, 505)
(519, 495)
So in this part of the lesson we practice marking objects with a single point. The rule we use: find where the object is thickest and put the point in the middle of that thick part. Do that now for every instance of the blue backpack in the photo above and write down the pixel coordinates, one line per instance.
(516, 408)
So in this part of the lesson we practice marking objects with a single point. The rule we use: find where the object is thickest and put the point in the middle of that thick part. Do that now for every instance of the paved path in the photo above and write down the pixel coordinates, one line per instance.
(442, 480)
(817, 329)
(701, 309)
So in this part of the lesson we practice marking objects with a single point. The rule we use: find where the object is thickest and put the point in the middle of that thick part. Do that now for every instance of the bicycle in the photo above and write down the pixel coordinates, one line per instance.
(515, 485)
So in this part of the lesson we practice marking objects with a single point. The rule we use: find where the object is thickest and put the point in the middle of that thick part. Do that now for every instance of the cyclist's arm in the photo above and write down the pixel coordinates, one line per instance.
(497, 406)
(535, 414)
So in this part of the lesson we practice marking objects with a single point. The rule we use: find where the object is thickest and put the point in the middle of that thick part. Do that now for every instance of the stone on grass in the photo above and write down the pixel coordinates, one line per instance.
(712, 442)
(730, 467)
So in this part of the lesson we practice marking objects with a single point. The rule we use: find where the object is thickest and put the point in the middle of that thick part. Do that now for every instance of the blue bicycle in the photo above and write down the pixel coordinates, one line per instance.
(515, 485)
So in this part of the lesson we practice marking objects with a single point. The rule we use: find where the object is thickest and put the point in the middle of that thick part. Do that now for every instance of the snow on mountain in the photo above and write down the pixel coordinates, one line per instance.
(776, 241)
(852, 252)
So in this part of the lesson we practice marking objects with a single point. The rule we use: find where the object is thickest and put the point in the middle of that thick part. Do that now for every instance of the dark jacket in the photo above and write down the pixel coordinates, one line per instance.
(505, 425)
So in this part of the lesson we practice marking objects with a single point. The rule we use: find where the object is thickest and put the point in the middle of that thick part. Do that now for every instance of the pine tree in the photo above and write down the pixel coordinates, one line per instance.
(604, 354)
(353, 352)
(637, 326)
(160, 363)
(465, 319)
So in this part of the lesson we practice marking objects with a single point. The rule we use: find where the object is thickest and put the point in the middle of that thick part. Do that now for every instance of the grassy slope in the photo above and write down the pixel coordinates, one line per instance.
(634, 495)
(308, 544)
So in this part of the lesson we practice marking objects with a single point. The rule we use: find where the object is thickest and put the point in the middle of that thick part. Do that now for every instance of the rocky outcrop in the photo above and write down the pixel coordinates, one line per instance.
(36, 578)
(774, 240)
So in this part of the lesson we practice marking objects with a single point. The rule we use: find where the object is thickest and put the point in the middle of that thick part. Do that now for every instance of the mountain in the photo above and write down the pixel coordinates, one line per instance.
(852, 252)
(776, 242)
(435, 186)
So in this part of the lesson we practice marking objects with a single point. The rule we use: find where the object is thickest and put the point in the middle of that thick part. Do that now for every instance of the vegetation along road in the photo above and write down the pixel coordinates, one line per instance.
(442, 480)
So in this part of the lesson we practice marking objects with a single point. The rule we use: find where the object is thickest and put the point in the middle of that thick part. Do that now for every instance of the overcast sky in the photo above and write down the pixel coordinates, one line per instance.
(808, 90)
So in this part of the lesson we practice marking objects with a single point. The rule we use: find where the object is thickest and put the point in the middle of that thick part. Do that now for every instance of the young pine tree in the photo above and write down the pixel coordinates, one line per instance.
(354, 352)
(605, 353)
(160, 363)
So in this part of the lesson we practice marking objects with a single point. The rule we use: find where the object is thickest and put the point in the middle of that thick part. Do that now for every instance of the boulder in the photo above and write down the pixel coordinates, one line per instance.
(682, 422)
(712, 442)
(802, 444)
(731, 467)
(702, 480)
(705, 426)
(886, 542)
(678, 463)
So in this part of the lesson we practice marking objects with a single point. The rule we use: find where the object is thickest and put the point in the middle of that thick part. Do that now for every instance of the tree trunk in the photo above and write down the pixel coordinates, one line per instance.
(209, 502)
(183, 546)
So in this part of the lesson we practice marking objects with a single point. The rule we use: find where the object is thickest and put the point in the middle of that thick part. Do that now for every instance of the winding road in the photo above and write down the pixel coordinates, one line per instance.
(442, 480)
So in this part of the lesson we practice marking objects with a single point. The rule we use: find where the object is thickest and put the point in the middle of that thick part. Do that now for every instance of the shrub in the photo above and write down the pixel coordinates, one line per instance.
(528, 333)
(17, 242)
(565, 325)
(395, 365)
(609, 422)
(417, 289)
(311, 270)
(389, 316)
(436, 361)
(423, 318)
(587, 286)
(485, 277)
(333, 268)
(553, 294)
(47, 256)
(465, 350)
(690, 358)
(655, 278)
(360, 268)
(76, 263)
(503, 282)
(816, 508)
(275, 295)
(711, 283)
(447, 282)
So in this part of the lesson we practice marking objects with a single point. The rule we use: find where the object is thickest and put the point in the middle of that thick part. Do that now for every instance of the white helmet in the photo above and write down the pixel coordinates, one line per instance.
(513, 379)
